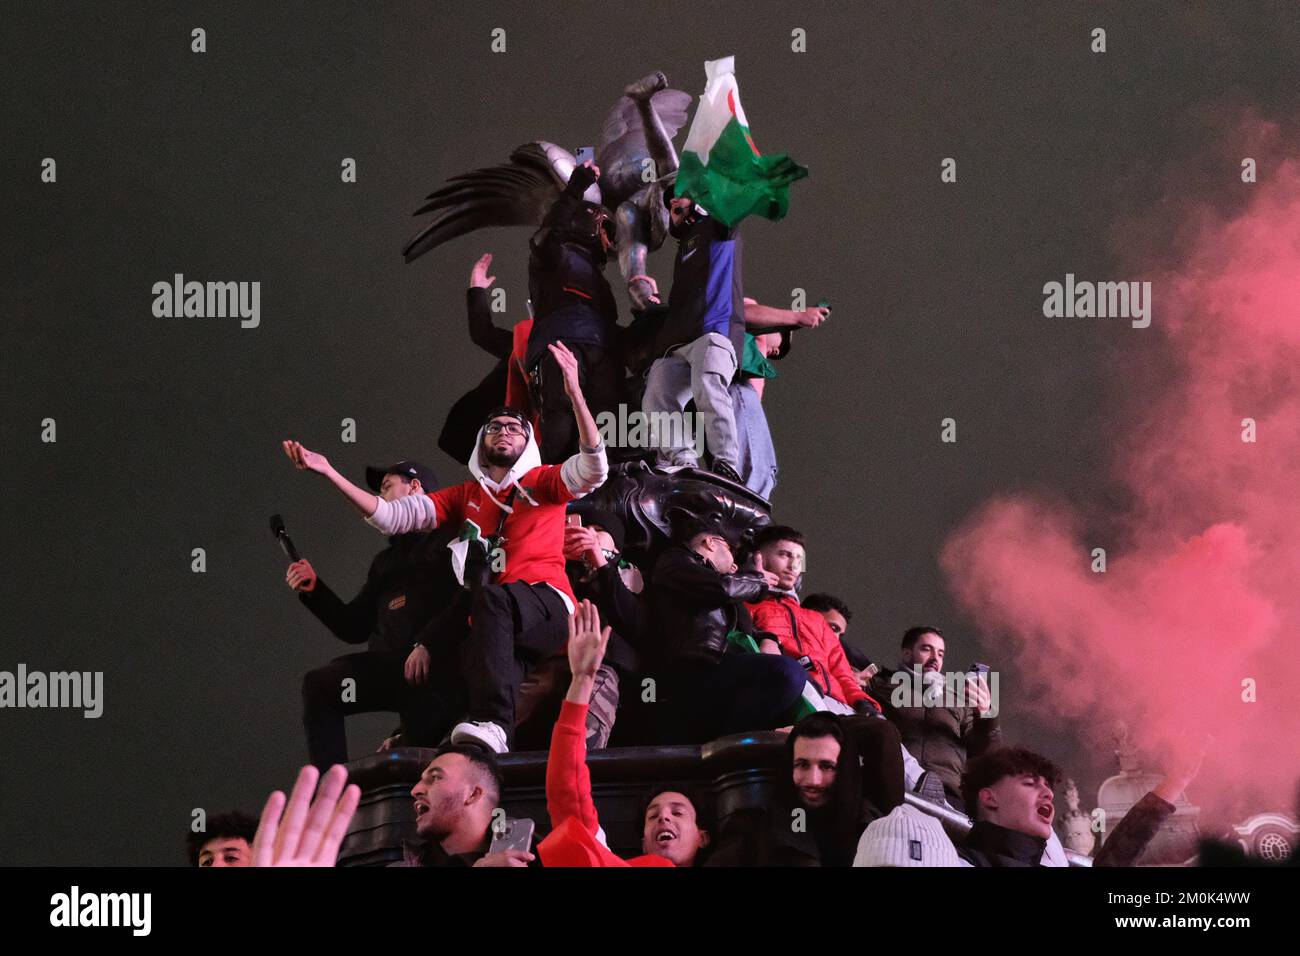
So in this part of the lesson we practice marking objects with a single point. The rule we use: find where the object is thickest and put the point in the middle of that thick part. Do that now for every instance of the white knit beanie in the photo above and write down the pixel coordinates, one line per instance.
(907, 837)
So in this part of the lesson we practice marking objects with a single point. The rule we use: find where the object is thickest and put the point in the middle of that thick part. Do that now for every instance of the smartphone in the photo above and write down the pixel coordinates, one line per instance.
(515, 835)
(573, 521)
(584, 153)
(978, 670)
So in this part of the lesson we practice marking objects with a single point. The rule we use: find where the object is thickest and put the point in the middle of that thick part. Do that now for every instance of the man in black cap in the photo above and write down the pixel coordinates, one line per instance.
(397, 612)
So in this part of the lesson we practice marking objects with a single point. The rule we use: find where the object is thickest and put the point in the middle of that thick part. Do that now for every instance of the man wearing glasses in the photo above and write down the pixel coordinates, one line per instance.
(517, 506)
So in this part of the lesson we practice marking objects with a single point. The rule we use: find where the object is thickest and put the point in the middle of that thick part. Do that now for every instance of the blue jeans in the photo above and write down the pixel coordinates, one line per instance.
(757, 458)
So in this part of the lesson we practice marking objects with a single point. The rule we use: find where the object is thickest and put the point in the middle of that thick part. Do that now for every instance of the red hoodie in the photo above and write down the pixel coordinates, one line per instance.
(804, 633)
(572, 841)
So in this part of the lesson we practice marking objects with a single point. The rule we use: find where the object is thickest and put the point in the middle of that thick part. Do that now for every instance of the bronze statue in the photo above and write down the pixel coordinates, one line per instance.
(636, 159)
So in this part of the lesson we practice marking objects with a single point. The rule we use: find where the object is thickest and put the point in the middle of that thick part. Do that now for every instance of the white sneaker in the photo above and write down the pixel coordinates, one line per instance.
(484, 733)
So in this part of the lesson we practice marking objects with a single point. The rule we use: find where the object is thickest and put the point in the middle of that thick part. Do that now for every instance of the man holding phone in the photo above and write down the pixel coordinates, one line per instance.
(940, 736)
(457, 818)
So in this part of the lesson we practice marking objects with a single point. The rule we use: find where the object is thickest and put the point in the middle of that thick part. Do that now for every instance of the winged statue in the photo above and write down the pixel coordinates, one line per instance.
(636, 159)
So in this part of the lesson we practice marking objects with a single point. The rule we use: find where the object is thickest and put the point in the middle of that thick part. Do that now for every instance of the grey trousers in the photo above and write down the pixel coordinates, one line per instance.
(701, 370)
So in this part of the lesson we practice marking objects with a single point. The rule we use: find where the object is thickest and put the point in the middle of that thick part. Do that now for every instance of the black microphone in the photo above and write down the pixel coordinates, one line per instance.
(277, 529)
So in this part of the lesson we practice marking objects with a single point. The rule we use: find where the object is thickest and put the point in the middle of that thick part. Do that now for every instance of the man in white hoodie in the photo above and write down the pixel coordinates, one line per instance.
(518, 505)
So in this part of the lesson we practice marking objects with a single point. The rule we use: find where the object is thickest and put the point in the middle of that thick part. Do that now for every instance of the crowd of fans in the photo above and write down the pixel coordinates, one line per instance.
(493, 594)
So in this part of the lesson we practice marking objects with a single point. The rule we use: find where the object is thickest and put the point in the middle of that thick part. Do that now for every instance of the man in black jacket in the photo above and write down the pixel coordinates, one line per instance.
(707, 686)
(572, 303)
(1009, 793)
(410, 584)
(592, 552)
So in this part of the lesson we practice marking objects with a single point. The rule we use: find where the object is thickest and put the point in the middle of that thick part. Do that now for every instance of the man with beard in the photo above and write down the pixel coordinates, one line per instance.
(670, 828)
(572, 303)
(455, 801)
(516, 506)
(941, 738)
(698, 346)
(827, 793)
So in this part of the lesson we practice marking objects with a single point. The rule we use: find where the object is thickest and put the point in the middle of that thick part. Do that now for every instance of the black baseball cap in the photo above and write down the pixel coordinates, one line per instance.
(407, 469)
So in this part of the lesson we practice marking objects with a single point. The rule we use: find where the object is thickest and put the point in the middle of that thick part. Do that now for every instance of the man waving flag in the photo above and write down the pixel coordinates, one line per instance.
(721, 168)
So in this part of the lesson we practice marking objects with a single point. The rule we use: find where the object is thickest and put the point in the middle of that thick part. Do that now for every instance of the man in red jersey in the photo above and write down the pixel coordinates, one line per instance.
(517, 506)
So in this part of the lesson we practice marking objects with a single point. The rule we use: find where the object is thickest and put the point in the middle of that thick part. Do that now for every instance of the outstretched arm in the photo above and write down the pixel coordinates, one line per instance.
(482, 332)
(412, 513)
(306, 460)
(766, 317)
(568, 782)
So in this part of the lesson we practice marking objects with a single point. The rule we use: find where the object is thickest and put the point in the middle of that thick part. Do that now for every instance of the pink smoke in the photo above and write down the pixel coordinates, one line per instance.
(1202, 586)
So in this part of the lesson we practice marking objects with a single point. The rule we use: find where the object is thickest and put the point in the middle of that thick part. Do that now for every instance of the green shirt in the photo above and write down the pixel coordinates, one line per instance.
(754, 364)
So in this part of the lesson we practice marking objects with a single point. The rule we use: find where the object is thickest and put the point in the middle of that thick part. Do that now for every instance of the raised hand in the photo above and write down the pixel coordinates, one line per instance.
(304, 459)
(587, 641)
(479, 278)
(568, 363)
(310, 833)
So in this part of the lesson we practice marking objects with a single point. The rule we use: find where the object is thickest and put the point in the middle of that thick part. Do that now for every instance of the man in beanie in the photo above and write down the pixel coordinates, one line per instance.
(406, 668)
(906, 837)
(514, 505)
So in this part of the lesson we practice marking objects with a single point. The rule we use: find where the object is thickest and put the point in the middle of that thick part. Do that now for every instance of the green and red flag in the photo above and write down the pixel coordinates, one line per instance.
(721, 168)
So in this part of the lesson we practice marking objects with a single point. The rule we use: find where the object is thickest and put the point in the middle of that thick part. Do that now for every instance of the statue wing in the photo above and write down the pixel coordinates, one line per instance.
(517, 193)
(623, 148)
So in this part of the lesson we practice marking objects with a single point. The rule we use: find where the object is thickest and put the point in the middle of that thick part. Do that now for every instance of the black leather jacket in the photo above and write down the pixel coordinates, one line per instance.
(988, 844)
(409, 584)
(693, 606)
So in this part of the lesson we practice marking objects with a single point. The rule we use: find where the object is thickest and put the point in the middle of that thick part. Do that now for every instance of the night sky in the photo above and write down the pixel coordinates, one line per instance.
(225, 166)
